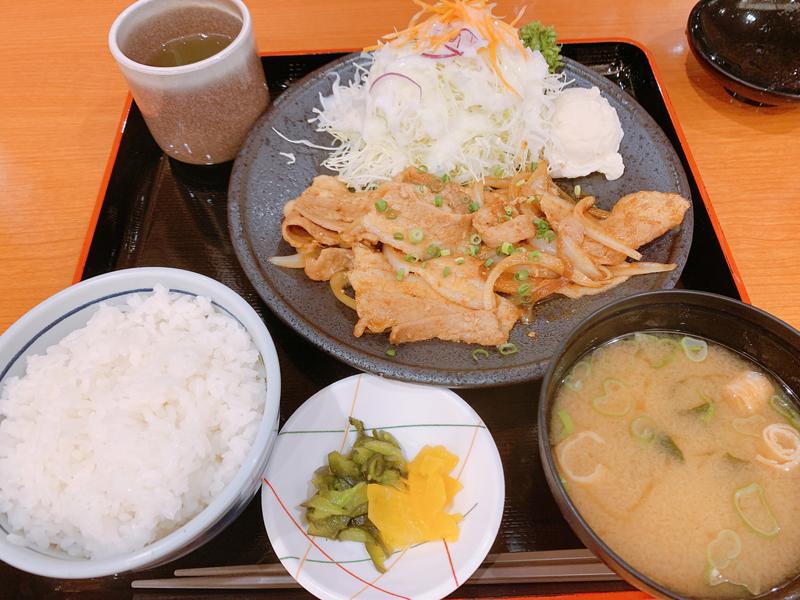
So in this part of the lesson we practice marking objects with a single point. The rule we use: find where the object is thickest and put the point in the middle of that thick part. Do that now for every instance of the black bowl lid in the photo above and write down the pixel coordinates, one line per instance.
(757, 44)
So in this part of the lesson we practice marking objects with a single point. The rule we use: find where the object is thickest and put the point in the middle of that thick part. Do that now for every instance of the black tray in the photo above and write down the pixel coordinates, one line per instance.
(157, 212)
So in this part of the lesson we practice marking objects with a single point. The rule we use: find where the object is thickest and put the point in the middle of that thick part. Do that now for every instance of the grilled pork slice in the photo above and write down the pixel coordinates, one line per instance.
(417, 221)
(302, 233)
(637, 219)
(503, 223)
(413, 310)
(328, 203)
(329, 261)
(457, 279)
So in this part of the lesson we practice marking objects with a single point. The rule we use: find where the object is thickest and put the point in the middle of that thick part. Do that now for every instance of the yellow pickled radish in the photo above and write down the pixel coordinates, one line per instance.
(417, 513)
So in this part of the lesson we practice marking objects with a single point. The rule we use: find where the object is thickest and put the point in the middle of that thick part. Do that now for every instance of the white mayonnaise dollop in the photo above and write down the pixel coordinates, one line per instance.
(585, 135)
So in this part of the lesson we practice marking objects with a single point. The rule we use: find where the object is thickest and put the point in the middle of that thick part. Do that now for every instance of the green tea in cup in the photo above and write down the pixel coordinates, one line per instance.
(194, 72)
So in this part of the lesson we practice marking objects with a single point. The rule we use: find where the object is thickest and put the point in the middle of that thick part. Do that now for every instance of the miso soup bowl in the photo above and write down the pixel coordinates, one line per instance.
(758, 335)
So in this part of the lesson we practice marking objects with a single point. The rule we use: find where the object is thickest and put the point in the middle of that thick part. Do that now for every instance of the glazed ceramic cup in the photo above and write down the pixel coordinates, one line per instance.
(198, 113)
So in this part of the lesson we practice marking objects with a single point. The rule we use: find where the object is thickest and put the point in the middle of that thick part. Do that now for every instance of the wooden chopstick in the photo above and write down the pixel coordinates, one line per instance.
(507, 567)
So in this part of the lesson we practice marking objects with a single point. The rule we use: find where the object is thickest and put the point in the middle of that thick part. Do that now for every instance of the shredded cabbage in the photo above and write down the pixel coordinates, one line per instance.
(449, 115)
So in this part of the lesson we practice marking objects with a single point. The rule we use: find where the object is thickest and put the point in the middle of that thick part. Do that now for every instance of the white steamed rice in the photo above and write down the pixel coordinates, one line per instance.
(129, 426)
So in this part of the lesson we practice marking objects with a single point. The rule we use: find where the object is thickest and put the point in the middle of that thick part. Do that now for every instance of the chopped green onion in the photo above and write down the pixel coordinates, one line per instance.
(566, 423)
(507, 248)
(541, 224)
(411, 258)
(549, 235)
(437, 200)
(434, 251)
(445, 271)
(392, 214)
(445, 252)
(415, 235)
(786, 409)
(475, 239)
(581, 370)
(391, 352)
(609, 404)
(521, 275)
(507, 348)
(460, 260)
(695, 350)
(521, 250)
(399, 275)
(643, 428)
(498, 171)
(751, 505)
(381, 205)
(533, 166)
(508, 211)
(723, 549)
(422, 169)
(577, 190)
(398, 236)
(489, 262)
(472, 250)
(534, 255)
(479, 352)
(473, 206)
(445, 178)
(524, 289)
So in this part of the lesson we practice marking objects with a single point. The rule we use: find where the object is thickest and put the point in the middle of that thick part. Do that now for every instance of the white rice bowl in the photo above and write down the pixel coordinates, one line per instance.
(134, 437)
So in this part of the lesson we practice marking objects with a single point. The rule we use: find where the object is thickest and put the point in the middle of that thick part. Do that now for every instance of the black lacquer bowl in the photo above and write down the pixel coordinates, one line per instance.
(763, 338)
(752, 47)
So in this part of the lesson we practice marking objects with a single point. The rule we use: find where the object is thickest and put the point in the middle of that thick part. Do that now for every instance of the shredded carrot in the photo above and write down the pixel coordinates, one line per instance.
(436, 24)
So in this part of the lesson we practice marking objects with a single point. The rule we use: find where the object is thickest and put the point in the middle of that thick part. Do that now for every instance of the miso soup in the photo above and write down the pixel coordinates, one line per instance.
(684, 457)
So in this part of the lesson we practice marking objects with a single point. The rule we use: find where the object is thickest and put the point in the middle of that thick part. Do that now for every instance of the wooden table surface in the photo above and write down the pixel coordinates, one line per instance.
(61, 97)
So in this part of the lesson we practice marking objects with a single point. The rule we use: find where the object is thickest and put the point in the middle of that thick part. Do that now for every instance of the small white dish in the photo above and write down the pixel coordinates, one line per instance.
(417, 415)
(70, 309)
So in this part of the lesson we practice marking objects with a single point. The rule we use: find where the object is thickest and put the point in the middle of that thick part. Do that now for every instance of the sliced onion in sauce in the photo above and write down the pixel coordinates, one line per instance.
(294, 261)
(338, 282)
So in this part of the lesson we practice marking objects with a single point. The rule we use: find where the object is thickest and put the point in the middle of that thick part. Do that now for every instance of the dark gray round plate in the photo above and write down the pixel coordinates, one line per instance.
(262, 182)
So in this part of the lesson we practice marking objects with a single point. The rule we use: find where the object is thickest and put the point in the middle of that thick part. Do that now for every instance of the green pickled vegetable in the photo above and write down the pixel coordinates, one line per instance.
(786, 409)
(339, 508)
(751, 505)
